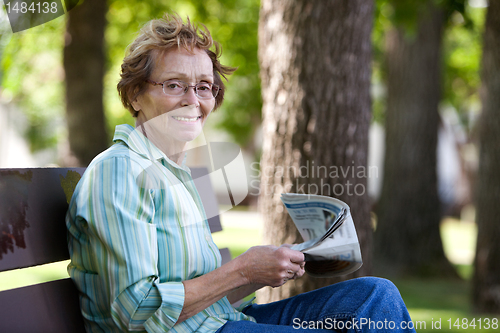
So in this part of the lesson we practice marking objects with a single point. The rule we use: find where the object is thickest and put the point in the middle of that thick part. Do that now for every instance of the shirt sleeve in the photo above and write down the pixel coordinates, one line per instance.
(122, 248)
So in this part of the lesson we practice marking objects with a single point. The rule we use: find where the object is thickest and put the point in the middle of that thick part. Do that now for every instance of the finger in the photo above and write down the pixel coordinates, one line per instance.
(298, 271)
(296, 256)
(295, 267)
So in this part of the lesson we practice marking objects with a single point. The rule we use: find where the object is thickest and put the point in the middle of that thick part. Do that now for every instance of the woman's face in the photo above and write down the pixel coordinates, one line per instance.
(182, 117)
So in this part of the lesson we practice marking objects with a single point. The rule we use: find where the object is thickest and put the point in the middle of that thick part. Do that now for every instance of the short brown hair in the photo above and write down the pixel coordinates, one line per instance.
(162, 35)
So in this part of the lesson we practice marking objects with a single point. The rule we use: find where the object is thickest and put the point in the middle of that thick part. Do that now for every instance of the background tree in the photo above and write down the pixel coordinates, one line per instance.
(84, 66)
(315, 68)
(407, 237)
(486, 281)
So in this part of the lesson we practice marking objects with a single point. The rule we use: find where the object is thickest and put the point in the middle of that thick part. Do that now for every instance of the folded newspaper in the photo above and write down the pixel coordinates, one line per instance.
(330, 246)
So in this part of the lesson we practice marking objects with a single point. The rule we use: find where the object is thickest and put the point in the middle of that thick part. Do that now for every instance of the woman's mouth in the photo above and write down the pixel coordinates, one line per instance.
(187, 119)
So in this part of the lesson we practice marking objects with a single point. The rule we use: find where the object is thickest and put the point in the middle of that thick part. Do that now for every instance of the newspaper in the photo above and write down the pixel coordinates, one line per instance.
(330, 246)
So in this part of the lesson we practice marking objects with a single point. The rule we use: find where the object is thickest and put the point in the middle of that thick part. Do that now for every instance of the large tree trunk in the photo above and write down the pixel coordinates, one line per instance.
(315, 67)
(407, 237)
(84, 61)
(486, 281)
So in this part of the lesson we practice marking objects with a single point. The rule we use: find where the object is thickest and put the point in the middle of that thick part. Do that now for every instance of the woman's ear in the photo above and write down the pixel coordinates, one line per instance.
(136, 104)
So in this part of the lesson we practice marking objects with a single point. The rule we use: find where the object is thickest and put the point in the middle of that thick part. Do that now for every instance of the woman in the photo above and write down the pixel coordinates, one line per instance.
(141, 251)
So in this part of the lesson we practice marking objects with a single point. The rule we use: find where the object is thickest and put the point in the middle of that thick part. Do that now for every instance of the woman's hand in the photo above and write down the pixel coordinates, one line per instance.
(258, 267)
(271, 266)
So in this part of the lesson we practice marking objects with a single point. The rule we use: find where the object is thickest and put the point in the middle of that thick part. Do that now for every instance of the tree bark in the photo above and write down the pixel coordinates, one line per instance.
(486, 280)
(315, 69)
(84, 61)
(407, 237)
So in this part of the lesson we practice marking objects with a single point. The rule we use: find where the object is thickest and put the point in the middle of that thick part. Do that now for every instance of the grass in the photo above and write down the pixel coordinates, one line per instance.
(433, 304)
(33, 275)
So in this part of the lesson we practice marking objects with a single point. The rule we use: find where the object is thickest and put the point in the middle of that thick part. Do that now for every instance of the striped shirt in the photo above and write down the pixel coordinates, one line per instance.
(136, 230)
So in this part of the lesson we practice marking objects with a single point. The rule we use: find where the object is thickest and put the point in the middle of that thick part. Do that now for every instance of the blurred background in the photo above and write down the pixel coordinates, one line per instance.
(428, 76)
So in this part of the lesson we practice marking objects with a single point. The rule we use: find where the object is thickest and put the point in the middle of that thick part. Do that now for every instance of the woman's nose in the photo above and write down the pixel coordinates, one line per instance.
(190, 98)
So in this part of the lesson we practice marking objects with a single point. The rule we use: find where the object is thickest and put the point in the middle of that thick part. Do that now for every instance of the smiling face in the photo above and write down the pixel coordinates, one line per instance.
(182, 117)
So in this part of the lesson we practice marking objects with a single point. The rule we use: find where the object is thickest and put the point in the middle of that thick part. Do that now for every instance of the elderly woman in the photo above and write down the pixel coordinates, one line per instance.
(142, 254)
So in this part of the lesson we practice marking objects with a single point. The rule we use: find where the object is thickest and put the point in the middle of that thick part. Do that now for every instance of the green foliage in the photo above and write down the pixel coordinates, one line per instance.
(125, 18)
(382, 24)
(234, 24)
(461, 50)
(407, 13)
(32, 73)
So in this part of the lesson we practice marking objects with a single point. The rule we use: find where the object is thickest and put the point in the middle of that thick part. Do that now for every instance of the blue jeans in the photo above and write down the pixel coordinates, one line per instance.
(365, 304)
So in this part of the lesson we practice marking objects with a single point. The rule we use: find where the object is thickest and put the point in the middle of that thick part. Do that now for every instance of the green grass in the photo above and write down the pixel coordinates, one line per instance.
(430, 302)
(33, 275)
(238, 240)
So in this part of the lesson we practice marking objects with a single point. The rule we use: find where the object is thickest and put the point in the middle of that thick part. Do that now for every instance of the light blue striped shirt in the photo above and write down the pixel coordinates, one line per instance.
(137, 229)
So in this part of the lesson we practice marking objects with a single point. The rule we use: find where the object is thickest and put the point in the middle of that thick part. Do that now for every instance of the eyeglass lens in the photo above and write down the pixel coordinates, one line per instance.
(203, 90)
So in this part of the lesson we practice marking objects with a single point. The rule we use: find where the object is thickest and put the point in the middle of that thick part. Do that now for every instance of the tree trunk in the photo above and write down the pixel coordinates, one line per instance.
(486, 281)
(407, 236)
(84, 61)
(315, 68)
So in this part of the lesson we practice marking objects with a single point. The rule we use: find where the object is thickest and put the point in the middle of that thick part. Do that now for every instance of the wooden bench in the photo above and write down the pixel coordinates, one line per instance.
(33, 205)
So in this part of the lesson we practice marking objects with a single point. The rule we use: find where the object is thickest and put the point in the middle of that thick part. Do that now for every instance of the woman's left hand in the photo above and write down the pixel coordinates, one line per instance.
(301, 271)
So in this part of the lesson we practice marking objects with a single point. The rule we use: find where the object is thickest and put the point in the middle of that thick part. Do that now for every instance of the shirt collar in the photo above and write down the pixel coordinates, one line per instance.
(138, 143)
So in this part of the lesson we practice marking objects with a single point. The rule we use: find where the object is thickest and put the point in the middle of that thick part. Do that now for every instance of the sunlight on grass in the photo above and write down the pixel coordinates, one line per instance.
(459, 240)
(33, 275)
(236, 239)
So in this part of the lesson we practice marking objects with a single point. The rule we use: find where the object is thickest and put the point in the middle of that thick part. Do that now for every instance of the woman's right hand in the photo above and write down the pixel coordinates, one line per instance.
(270, 265)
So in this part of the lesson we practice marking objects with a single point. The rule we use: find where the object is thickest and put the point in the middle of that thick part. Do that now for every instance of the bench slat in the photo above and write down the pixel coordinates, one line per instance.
(45, 307)
(32, 210)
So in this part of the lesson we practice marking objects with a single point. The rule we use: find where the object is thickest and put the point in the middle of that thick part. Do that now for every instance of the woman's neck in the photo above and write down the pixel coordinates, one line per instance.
(175, 150)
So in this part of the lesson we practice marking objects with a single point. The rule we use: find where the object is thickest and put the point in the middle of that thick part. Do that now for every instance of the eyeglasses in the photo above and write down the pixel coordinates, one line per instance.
(203, 90)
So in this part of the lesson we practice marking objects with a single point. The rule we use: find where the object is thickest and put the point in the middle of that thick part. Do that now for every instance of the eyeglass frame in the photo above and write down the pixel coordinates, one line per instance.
(154, 83)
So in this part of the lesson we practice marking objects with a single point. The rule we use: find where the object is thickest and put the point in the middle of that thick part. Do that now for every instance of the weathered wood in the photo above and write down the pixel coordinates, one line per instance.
(45, 307)
(32, 210)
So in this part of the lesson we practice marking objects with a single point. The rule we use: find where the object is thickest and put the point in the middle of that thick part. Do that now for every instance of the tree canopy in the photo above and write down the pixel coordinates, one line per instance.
(32, 75)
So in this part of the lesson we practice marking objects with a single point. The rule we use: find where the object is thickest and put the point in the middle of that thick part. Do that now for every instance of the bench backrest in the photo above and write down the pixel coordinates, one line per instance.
(33, 204)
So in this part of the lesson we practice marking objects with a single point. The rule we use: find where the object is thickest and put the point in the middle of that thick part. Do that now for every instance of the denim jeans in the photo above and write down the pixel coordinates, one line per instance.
(365, 304)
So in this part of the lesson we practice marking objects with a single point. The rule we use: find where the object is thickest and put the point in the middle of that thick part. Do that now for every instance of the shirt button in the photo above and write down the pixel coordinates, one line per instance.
(207, 238)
